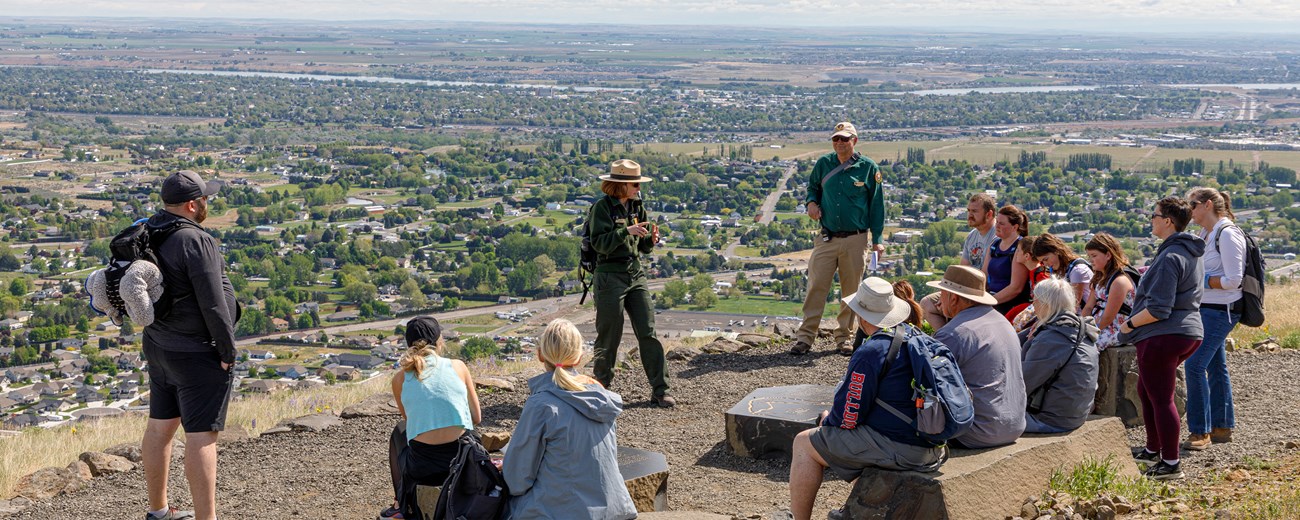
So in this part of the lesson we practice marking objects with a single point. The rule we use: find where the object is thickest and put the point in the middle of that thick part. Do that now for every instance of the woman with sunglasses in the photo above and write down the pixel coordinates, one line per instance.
(1210, 417)
(1166, 327)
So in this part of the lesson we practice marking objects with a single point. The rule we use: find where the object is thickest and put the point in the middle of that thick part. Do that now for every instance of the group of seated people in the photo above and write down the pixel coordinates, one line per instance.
(1029, 361)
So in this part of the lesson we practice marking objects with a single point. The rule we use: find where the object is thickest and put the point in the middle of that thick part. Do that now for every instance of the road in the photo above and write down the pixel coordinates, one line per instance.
(767, 211)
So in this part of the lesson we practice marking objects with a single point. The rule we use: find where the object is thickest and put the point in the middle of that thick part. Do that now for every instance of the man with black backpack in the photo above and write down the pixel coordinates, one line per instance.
(190, 347)
(874, 421)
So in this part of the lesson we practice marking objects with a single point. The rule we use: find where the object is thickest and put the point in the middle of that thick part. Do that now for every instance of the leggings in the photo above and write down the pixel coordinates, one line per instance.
(1158, 358)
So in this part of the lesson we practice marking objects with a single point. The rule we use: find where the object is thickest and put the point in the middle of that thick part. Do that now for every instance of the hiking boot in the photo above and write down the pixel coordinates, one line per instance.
(1221, 435)
(800, 348)
(1142, 456)
(392, 513)
(1197, 442)
(663, 401)
(172, 514)
(1164, 471)
(845, 348)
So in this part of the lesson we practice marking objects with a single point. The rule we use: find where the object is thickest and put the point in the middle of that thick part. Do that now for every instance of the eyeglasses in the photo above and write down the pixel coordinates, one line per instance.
(1157, 215)
(841, 139)
(1196, 203)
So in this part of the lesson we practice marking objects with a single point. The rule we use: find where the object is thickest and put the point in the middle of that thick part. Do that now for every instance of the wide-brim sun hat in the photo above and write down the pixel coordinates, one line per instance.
(625, 170)
(875, 302)
(965, 281)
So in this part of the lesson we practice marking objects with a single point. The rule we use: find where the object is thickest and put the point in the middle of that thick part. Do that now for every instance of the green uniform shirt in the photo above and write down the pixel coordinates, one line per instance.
(616, 249)
(852, 200)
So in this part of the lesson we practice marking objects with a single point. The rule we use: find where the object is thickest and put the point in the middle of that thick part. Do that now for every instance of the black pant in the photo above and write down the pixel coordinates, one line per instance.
(417, 464)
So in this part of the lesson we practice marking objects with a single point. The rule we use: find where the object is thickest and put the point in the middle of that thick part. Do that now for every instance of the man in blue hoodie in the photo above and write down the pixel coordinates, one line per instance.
(857, 433)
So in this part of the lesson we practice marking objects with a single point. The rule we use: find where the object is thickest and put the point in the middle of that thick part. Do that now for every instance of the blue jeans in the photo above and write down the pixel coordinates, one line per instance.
(1209, 392)
(1032, 425)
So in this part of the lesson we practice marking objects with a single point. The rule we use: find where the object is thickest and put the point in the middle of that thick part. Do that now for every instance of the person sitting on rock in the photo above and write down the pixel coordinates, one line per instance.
(562, 460)
(1060, 361)
(439, 406)
(988, 353)
(856, 433)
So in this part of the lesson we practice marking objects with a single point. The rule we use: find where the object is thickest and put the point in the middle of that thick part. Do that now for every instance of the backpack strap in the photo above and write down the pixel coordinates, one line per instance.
(895, 345)
(843, 166)
(1041, 392)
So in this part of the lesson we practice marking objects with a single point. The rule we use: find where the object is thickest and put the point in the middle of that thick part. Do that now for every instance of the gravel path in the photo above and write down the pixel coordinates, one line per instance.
(1264, 393)
(342, 472)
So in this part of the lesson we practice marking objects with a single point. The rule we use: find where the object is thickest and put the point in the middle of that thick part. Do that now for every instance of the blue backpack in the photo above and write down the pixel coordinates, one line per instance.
(945, 407)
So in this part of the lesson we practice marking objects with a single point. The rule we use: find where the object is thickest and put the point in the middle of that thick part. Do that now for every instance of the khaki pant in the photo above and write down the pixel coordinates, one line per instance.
(848, 257)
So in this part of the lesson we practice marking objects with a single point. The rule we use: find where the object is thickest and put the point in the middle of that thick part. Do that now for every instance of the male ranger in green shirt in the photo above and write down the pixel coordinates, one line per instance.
(846, 197)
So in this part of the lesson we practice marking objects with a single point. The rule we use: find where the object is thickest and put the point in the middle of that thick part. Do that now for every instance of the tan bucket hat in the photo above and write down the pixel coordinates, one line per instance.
(965, 281)
(875, 302)
(625, 170)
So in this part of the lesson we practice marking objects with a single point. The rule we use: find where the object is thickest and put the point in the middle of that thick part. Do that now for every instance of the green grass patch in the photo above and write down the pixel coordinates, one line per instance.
(762, 305)
(748, 251)
(473, 329)
(1095, 477)
(481, 319)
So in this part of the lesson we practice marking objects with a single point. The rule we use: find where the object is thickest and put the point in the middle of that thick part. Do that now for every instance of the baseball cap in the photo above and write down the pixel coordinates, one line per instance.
(846, 129)
(186, 185)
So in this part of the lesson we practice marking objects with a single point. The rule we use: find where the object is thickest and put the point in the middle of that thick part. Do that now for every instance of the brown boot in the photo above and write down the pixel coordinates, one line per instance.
(1221, 435)
(1197, 442)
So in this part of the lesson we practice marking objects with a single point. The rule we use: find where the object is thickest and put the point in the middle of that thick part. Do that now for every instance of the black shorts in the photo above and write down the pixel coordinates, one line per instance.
(189, 385)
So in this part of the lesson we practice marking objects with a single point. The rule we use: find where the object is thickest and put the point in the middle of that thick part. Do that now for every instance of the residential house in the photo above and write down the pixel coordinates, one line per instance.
(64, 354)
(47, 405)
(26, 395)
(87, 394)
(280, 324)
(49, 388)
(11, 324)
(341, 372)
(7, 404)
(293, 372)
(343, 316)
(260, 355)
(262, 386)
(361, 361)
(72, 367)
(25, 420)
(130, 361)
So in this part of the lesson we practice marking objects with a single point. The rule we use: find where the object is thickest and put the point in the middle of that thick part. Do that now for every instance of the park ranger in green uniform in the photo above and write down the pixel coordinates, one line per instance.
(619, 234)
(846, 197)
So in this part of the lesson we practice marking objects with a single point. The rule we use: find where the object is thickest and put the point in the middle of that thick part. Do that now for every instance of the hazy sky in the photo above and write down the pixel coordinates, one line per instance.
(1188, 16)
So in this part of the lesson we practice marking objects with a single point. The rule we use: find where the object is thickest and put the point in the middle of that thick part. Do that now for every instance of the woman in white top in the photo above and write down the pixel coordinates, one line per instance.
(1209, 392)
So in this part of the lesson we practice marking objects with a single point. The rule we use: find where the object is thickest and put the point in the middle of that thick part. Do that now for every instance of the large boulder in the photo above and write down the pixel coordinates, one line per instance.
(127, 450)
(1117, 393)
(311, 423)
(765, 422)
(493, 441)
(989, 483)
(725, 346)
(754, 340)
(375, 405)
(786, 329)
(646, 475)
(494, 383)
(47, 483)
(104, 464)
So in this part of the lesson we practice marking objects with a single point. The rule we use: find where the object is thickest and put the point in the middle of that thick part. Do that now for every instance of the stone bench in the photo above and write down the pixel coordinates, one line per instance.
(1117, 386)
(989, 483)
(644, 472)
(764, 423)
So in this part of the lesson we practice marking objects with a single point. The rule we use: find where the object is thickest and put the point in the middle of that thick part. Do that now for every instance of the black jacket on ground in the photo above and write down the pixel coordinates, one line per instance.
(203, 307)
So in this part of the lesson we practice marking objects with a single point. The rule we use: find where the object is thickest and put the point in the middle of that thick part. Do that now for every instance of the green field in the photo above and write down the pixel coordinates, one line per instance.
(763, 305)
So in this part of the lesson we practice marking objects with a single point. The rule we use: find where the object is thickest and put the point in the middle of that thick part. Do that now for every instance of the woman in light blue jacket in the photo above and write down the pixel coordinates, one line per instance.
(562, 461)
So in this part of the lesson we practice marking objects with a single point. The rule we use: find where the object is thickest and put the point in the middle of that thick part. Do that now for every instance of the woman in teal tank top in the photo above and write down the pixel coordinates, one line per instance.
(436, 398)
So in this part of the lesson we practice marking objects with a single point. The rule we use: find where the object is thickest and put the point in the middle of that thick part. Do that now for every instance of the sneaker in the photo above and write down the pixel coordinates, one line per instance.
(1197, 442)
(800, 348)
(1142, 456)
(664, 401)
(1221, 435)
(392, 513)
(172, 514)
(836, 514)
(1164, 471)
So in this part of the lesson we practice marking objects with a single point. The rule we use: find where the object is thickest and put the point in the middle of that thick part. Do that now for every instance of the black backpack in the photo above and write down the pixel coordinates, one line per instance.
(138, 242)
(475, 488)
(1251, 304)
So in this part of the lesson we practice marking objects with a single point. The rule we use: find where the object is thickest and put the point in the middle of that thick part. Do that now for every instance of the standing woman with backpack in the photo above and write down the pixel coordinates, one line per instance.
(562, 461)
(1113, 288)
(439, 407)
(1061, 261)
(1166, 328)
(1210, 416)
(620, 233)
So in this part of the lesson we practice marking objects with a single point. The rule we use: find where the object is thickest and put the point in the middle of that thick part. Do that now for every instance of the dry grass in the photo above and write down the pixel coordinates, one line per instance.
(37, 448)
(1282, 308)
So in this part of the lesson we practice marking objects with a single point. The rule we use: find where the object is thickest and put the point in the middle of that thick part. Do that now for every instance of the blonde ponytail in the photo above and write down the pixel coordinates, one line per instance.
(413, 359)
(560, 349)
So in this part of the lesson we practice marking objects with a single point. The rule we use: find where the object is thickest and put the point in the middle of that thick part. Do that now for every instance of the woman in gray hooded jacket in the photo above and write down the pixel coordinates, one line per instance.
(562, 461)
(1060, 361)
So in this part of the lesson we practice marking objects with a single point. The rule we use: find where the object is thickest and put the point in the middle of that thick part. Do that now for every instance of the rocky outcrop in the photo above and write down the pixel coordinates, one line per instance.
(378, 404)
(493, 441)
(725, 346)
(646, 475)
(765, 422)
(494, 383)
(1117, 393)
(51, 482)
(101, 464)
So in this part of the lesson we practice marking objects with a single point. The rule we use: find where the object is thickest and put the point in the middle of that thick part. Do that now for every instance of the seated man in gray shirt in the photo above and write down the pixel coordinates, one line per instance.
(988, 353)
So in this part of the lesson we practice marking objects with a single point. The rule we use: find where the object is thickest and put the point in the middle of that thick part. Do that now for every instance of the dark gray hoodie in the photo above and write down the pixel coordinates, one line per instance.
(1171, 290)
(562, 461)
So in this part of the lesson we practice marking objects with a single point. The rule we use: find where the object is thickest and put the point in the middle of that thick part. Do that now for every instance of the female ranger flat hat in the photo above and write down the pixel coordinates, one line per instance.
(625, 170)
